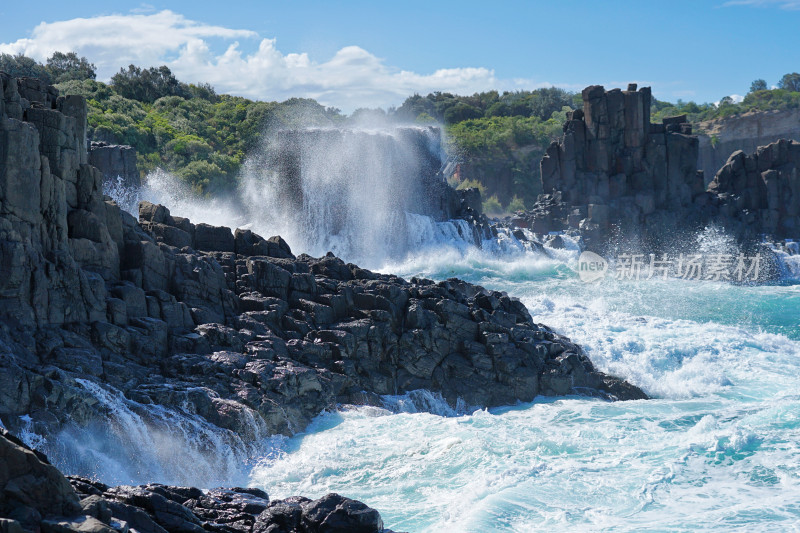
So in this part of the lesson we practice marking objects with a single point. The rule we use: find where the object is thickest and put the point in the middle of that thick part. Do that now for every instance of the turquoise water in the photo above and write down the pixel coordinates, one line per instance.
(718, 448)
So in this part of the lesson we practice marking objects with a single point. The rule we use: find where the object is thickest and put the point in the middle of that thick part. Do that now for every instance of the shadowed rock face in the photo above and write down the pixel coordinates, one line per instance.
(116, 162)
(721, 137)
(760, 192)
(37, 497)
(613, 168)
(616, 178)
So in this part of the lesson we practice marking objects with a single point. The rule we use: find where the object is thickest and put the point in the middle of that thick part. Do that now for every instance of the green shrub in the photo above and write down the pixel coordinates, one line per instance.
(515, 205)
(491, 206)
(471, 184)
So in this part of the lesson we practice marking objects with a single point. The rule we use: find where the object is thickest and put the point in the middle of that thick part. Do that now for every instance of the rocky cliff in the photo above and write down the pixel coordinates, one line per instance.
(222, 325)
(746, 132)
(116, 162)
(614, 167)
(760, 193)
(615, 178)
(35, 496)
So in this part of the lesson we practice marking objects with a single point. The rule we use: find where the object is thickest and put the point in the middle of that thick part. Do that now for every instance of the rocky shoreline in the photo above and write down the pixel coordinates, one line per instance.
(619, 182)
(37, 497)
(223, 325)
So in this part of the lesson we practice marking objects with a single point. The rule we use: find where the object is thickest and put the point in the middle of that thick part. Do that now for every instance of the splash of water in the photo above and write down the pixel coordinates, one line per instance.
(144, 443)
(368, 195)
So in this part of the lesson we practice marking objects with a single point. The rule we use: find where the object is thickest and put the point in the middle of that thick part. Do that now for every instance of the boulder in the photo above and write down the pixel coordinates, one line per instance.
(28, 480)
(213, 238)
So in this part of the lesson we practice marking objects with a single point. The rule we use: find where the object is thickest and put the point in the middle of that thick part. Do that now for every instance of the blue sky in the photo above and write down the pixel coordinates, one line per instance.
(367, 54)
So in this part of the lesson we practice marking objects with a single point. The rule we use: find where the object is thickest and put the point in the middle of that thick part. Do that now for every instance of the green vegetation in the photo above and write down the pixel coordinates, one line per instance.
(516, 204)
(203, 137)
(491, 206)
(189, 130)
(790, 82)
(59, 67)
(498, 139)
(786, 95)
(503, 152)
(452, 109)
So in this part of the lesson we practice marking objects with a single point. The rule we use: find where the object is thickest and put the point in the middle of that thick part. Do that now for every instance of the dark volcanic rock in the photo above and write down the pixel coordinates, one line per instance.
(29, 483)
(36, 496)
(116, 162)
(615, 179)
(233, 327)
(229, 326)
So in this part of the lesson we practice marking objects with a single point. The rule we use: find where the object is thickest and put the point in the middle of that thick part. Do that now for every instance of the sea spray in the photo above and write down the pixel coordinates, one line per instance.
(716, 449)
(143, 443)
(362, 193)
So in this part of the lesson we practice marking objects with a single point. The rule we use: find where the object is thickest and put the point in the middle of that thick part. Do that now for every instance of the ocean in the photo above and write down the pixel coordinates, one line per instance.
(717, 447)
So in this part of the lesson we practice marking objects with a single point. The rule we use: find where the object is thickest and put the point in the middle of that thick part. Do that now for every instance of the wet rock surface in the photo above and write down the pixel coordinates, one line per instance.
(37, 497)
(227, 322)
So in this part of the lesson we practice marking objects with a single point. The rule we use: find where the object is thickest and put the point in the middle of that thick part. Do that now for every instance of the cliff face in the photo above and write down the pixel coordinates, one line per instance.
(720, 138)
(227, 325)
(615, 178)
(613, 167)
(57, 243)
(760, 192)
(116, 162)
(504, 176)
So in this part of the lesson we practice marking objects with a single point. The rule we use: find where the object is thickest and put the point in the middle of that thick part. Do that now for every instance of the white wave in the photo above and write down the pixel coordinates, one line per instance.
(144, 443)
(423, 401)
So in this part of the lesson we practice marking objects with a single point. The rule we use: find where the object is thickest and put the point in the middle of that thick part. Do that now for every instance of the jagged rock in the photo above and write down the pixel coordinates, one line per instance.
(28, 480)
(641, 184)
(760, 193)
(335, 514)
(719, 138)
(116, 162)
(213, 239)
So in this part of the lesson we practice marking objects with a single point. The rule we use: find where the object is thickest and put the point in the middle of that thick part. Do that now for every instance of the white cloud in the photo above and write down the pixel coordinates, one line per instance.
(113, 41)
(352, 78)
(736, 98)
(243, 63)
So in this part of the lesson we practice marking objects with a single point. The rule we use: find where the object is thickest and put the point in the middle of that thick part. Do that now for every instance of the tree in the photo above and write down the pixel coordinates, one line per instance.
(20, 66)
(65, 67)
(147, 85)
(790, 82)
(758, 85)
(460, 112)
(203, 90)
(498, 109)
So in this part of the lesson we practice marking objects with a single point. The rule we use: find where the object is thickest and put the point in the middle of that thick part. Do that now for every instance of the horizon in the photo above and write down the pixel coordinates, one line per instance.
(371, 55)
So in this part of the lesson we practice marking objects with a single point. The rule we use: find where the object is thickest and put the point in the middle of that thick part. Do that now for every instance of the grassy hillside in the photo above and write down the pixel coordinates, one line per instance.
(201, 138)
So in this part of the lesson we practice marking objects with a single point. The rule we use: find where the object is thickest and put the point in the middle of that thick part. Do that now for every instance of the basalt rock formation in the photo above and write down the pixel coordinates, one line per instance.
(35, 496)
(760, 192)
(221, 324)
(116, 162)
(746, 132)
(615, 177)
(614, 167)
